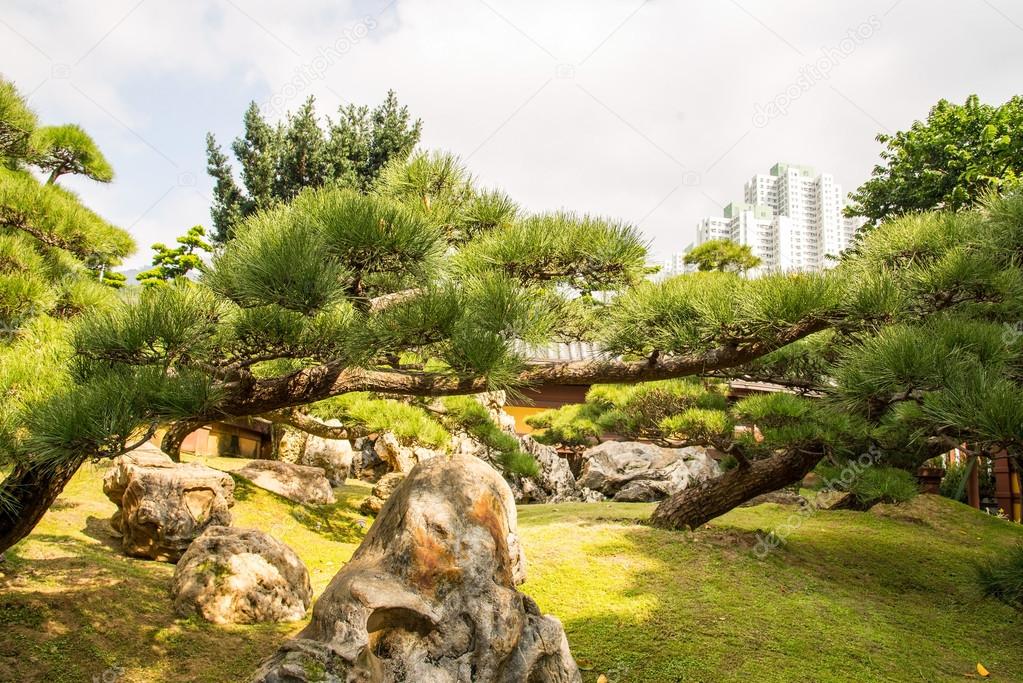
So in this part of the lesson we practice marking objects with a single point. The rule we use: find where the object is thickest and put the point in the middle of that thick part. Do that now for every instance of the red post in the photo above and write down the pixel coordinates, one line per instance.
(1007, 487)
(973, 485)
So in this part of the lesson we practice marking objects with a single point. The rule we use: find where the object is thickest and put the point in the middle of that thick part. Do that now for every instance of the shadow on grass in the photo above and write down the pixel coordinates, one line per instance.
(849, 597)
(71, 611)
(335, 522)
(100, 530)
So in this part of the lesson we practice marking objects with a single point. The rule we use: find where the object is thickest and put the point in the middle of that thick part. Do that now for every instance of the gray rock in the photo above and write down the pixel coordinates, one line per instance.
(636, 471)
(299, 483)
(781, 497)
(333, 456)
(240, 576)
(162, 506)
(430, 594)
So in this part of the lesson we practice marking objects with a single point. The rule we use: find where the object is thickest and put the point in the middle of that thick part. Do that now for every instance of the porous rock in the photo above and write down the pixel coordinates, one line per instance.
(299, 483)
(429, 596)
(240, 576)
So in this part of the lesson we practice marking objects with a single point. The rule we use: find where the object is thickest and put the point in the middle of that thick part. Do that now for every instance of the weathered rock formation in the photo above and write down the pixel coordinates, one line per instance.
(240, 576)
(162, 505)
(430, 596)
(383, 489)
(780, 497)
(400, 458)
(299, 483)
(631, 471)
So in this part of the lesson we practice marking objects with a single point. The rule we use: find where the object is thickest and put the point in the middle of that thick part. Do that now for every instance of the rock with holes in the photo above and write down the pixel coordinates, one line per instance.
(240, 576)
(162, 505)
(430, 596)
(299, 483)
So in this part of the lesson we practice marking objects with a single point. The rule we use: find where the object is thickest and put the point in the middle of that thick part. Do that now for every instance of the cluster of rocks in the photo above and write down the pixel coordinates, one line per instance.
(180, 512)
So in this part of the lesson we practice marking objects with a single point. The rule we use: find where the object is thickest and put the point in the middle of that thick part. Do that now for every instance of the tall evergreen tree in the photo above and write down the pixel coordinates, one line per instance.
(278, 162)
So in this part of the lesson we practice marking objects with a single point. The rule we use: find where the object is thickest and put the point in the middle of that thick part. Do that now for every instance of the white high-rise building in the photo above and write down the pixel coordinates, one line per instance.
(791, 219)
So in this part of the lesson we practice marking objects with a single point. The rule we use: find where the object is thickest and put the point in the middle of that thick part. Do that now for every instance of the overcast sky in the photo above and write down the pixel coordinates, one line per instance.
(653, 112)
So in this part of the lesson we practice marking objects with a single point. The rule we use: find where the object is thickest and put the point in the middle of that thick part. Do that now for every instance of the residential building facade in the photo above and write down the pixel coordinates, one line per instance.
(791, 218)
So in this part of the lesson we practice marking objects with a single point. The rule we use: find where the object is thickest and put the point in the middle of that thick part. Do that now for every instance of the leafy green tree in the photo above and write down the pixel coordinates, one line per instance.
(171, 264)
(278, 162)
(947, 162)
(52, 249)
(722, 255)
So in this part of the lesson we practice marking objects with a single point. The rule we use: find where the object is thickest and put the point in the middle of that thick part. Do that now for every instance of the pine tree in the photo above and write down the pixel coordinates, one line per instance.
(171, 264)
(52, 253)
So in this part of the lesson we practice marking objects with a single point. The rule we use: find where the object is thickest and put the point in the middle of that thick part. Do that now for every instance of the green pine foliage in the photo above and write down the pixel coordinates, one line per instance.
(171, 264)
(722, 255)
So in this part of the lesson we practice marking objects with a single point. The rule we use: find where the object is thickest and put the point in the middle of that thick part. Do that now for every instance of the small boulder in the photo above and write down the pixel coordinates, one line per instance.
(299, 483)
(333, 456)
(430, 594)
(383, 489)
(163, 505)
(632, 471)
(780, 497)
(240, 576)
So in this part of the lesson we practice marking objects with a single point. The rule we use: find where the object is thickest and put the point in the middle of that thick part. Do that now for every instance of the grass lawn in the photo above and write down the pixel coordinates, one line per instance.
(886, 595)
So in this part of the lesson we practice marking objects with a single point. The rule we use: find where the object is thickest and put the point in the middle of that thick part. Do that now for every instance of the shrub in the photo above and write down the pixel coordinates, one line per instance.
(1002, 578)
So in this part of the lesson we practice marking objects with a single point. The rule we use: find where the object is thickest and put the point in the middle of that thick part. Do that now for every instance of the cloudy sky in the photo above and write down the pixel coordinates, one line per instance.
(651, 111)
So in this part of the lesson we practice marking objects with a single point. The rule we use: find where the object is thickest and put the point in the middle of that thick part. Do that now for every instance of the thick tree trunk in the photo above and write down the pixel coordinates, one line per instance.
(27, 494)
(175, 436)
(694, 507)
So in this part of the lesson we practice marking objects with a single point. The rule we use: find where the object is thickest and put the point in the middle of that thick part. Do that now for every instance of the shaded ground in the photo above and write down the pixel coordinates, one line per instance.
(885, 595)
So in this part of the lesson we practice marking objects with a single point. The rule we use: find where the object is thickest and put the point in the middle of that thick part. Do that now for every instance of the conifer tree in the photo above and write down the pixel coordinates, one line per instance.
(278, 161)
(52, 252)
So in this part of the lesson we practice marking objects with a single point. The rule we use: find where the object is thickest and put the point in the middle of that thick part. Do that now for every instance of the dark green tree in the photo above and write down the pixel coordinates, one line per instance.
(278, 162)
(170, 264)
(723, 256)
(948, 162)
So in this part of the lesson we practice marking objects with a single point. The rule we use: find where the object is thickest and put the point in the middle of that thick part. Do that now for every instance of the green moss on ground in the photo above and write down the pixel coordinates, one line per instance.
(884, 595)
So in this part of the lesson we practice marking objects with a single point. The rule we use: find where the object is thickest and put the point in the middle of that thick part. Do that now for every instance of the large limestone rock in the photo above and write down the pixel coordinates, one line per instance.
(631, 471)
(240, 576)
(429, 596)
(163, 505)
(367, 465)
(299, 483)
(555, 482)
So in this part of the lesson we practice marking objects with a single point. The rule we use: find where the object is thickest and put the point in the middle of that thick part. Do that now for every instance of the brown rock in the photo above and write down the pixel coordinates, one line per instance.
(163, 505)
(430, 594)
(381, 492)
(299, 483)
(240, 576)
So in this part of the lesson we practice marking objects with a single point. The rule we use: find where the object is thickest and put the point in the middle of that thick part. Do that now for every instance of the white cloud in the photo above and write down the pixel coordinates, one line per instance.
(616, 106)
